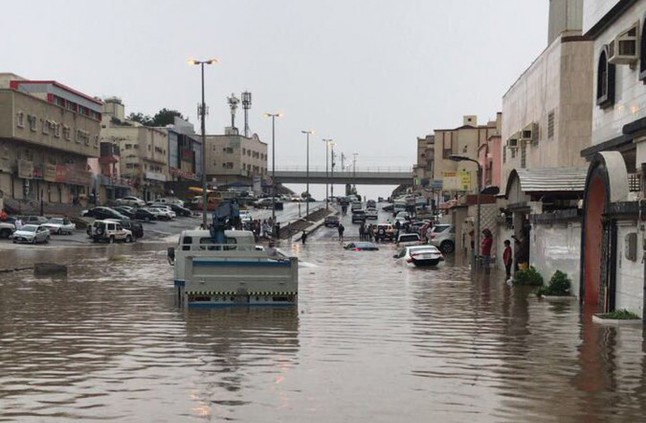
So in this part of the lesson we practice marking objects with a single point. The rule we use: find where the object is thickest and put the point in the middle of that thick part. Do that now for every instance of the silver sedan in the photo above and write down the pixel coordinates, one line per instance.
(32, 234)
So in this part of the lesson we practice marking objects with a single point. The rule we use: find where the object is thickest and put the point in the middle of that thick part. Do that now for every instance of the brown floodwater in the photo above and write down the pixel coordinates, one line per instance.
(370, 341)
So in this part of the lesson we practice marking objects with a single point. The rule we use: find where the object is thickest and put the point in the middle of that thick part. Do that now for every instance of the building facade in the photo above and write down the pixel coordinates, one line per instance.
(612, 269)
(235, 159)
(47, 133)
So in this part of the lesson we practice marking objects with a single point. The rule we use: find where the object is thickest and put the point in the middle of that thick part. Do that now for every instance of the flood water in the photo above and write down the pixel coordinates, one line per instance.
(370, 341)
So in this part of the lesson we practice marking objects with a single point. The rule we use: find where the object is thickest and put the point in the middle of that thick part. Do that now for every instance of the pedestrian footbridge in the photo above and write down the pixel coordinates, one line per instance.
(365, 176)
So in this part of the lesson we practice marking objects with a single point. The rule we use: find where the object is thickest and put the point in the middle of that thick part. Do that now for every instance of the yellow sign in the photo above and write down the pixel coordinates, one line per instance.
(465, 180)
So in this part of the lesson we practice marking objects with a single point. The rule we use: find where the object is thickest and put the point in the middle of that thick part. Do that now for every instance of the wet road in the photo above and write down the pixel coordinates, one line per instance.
(370, 341)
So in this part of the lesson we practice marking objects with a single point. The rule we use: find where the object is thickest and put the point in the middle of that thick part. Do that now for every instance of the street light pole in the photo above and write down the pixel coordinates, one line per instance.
(332, 167)
(273, 117)
(307, 174)
(203, 128)
(476, 248)
(354, 172)
(328, 142)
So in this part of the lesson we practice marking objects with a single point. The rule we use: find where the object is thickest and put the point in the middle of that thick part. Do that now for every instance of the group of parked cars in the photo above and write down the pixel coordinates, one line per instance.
(34, 229)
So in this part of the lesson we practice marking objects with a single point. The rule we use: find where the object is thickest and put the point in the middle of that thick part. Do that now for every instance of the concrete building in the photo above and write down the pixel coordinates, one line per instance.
(144, 151)
(612, 266)
(547, 121)
(47, 133)
(460, 177)
(236, 159)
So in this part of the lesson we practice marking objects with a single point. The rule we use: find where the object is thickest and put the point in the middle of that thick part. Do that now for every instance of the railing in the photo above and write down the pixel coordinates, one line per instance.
(375, 169)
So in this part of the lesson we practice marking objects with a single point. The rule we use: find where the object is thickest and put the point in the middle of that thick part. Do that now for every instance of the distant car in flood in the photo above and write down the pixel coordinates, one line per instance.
(361, 246)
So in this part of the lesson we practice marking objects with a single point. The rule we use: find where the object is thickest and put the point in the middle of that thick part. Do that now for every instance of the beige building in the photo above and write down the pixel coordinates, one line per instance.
(463, 141)
(143, 152)
(423, 169)
(47, 133)
(235, 158)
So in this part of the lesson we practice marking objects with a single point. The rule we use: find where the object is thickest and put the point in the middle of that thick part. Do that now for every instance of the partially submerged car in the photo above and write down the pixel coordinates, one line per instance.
(361, 246)
(420, 255)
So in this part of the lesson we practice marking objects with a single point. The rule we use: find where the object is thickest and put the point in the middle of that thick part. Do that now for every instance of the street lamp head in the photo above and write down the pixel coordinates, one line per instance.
(457, 158)
(310, 132)
(200, 62)
(274, 115)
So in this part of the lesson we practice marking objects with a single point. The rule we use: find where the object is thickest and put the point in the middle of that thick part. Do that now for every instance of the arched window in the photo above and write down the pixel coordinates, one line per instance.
(605, 80)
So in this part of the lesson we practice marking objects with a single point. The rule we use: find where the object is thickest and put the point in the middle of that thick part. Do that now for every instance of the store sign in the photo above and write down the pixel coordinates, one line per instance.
(50, 172)
(153, 176)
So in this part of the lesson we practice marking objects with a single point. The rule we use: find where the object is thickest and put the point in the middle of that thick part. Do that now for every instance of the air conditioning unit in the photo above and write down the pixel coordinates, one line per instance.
(624, 49)
(530, 133)
(512, 142)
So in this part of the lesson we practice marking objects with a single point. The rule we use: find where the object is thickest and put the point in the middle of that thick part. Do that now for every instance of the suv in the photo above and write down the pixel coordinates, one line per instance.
(443, 237)
(331, 221)
(358, 216)
(109, 231)
(384, 231)
(6, 229)
(408, 239)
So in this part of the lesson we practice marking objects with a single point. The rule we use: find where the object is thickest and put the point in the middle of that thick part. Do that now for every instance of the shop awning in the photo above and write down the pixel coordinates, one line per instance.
(548, 179)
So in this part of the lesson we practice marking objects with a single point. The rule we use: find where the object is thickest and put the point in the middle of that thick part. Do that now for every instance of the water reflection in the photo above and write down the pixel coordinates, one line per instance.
(371, 340)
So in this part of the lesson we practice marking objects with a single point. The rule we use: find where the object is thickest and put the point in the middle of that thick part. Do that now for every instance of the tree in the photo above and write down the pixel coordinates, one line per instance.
(141, 118)
(165, 117)
(162, 118)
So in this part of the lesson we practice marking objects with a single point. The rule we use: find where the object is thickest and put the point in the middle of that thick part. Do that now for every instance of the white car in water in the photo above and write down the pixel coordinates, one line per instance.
(60, 225)
(31, 234)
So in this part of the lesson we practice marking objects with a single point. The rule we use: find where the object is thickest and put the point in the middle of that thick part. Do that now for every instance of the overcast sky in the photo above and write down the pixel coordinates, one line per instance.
(371, 74)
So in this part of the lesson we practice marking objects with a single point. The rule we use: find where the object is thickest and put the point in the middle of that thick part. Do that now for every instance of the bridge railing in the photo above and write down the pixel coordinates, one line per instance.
(362, 169)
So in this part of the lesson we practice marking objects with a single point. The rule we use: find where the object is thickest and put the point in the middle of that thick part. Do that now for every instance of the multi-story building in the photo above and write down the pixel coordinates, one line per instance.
(235, 159)
(612, 258)
(47, 133)
(144, 151)
(423, 169)
(546, 122)
(463, 141)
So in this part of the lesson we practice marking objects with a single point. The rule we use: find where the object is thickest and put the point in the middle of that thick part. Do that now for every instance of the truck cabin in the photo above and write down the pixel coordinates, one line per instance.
(201, 240)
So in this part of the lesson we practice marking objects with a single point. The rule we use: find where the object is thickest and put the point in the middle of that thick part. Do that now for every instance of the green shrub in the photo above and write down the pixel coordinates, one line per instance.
(559, 285)
(528, 276)
(622, 314)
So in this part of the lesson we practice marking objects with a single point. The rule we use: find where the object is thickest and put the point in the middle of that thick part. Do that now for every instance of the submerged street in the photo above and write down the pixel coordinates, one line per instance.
(376, 338)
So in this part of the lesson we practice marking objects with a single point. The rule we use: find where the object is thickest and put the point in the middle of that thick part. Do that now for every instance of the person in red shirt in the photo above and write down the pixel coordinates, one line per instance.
(507, 259)
(485, 249)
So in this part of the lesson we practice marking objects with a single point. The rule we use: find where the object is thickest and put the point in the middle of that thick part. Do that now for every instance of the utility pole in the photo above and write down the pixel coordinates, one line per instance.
(354, 172)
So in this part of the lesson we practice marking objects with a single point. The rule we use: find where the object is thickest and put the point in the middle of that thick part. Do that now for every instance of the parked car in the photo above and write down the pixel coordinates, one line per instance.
(6, 229)
(145, 214)
(263, 203)
(130, 201)
(180, 210)
(166, 208)
(103, 213)
(371, 204)
(408, 239)
(443, 237)
(420, 255)
(331, 221)
(127, 211)
(356, 205)
(33, 220)
(109, 231)
(358, 216)
(169, 201)
(60, 225)
(361, 246)
(31, 234)
(384, 232)
(372, 213)
(160, 214)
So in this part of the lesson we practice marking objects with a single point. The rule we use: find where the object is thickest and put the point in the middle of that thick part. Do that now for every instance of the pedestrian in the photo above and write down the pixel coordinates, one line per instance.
(3, 216)
(485, 249)
(304, 237)
(341, 229)
(362, 230)
(371, 232)
(507, 259)
(18, 223)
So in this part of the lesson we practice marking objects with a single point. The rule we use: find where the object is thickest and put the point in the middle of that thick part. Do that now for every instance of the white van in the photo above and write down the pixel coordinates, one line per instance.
(170, 200)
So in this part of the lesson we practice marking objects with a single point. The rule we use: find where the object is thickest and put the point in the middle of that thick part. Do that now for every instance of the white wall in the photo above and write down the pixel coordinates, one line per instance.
(557, 247)
(630, 92)
(630, 274)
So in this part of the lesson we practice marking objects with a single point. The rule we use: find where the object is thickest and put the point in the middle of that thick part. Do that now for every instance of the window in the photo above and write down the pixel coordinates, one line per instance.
(67, 132)
(504, 154)
(32, 122)
(523, 154)
(550, 125)
(57, 130)
(605, 80)
(642, 57)
(20, 119)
